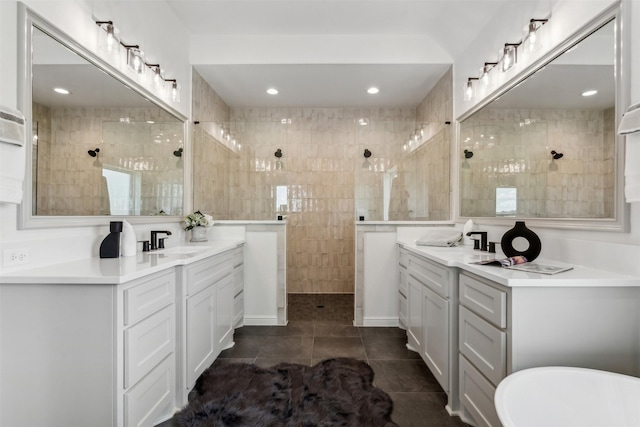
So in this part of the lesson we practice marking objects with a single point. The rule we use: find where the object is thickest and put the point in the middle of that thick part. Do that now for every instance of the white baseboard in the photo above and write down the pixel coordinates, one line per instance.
(260, 321)
(390, 322)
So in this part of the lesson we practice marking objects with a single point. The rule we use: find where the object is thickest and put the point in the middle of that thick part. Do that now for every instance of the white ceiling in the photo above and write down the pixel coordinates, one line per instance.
(344, 46)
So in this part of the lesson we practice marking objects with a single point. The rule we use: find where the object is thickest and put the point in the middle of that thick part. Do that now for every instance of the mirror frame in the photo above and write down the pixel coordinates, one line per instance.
(620, 221)
(26, 220)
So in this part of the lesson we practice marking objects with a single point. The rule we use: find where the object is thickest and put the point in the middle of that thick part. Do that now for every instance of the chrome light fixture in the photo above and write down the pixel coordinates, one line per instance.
(532, 37)
(108, 40)
(469, 91)
(135, 58)
(486, 69)
(174, 90)
(509, 55)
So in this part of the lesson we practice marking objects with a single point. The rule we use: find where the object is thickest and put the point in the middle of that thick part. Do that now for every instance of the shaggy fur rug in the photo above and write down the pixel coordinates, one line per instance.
(335, 392)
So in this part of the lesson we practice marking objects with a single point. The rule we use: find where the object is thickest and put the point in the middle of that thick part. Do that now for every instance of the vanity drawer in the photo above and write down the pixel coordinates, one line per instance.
(403, 257)
(238, 257)
(147, 343)
(206, 272)
(402, 283)
(403, 310)
(148, 295)
(152, 398)
(238, 309)
(484, 345)
(430, 274)
(476, 395)
(238, 280)
(484, 300)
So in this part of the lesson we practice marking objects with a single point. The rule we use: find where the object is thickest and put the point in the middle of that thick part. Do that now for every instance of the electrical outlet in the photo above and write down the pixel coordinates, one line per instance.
(13, 257)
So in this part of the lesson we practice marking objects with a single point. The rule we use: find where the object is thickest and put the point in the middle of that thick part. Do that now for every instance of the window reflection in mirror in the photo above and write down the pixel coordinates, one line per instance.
(95, 135)
(546, 140)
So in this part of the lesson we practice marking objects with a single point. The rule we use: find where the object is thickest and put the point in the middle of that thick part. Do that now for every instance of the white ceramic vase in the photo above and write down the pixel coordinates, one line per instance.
(199, 234)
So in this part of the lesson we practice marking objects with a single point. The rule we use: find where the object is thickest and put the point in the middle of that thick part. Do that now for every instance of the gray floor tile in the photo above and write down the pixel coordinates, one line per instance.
(224, 362)
(245, 346)
(330, 347)
(373, 331)
(335, 329)
(301, 328)
(381, 347)
(299, 347)
(422, 409)
(271, 362)
(411, 375)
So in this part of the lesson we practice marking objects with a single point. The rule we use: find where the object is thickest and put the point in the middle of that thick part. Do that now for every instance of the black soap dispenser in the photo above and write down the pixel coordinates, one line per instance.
(110, 246)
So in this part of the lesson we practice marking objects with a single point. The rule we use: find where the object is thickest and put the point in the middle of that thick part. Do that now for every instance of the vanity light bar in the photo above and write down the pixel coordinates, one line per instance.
(508, 58)
(110, 42)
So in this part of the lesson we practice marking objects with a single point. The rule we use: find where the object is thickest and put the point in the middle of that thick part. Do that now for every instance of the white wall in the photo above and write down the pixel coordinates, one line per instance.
(154, 27)
(614, 251)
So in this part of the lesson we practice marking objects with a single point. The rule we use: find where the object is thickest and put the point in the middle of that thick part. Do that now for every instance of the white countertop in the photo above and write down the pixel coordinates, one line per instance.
(113, 271)
(579, 276)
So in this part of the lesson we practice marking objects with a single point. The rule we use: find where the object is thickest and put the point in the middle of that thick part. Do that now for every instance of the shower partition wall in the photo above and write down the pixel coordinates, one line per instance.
(321, 181)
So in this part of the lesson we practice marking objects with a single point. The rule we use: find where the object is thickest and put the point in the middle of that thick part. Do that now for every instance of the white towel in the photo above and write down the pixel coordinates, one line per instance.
(632, 169)
(12, 155)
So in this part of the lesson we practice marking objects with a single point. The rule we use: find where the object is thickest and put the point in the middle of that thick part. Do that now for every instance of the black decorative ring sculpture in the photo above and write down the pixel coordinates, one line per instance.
(521, 230)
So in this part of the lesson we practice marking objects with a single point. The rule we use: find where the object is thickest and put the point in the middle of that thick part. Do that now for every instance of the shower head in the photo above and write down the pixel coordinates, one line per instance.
(93, 153)
(178, 152)
(556, 155)
(468, 154)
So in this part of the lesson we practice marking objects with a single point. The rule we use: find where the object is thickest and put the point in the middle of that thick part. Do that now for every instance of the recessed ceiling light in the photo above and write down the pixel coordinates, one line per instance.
(373, 90)
(589, 92)
(61, 91)
(272, 91)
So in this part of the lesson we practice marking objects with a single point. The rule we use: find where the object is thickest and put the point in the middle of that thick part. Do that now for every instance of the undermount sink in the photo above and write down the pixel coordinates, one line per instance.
(183, 250)
(566, 396)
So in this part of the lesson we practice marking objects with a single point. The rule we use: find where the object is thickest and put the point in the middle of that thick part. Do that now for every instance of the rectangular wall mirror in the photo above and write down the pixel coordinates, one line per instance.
(547, 148)
(98, 147)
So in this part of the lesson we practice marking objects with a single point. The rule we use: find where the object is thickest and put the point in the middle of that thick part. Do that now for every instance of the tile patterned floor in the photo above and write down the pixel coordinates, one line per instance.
(316, 333)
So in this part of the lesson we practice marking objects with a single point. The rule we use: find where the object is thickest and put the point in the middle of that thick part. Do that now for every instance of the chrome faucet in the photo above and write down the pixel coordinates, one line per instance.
(483, 240)
(158, 243)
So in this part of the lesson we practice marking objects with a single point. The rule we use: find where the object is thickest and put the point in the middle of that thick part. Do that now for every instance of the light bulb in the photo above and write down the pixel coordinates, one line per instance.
(111, 38)
(468, 91)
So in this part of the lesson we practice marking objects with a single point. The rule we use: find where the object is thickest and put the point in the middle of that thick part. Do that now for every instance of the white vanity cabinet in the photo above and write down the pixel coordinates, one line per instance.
(238, 287)
(208, 289)
(431, 316)
(403, 287)
(96, 354)
(504, 329)
(482, 345)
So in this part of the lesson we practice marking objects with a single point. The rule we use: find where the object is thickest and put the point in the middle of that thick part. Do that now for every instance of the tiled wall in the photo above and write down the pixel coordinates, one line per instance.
(324, 180)
(69, 181)
(511, 148)
(321, 163)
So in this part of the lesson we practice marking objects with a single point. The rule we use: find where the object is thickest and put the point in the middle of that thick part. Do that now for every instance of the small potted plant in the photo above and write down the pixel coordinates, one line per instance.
(198, 223)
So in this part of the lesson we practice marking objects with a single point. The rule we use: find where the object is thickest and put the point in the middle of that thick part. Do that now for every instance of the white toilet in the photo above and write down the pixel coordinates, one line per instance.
(565, 397)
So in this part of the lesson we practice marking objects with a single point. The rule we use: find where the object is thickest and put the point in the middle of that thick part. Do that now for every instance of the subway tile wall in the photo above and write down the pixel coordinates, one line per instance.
(512, 148)
(69, 182)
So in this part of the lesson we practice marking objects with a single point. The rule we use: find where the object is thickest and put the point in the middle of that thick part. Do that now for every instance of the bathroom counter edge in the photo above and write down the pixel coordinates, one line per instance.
(579, 276)
(114, 271)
